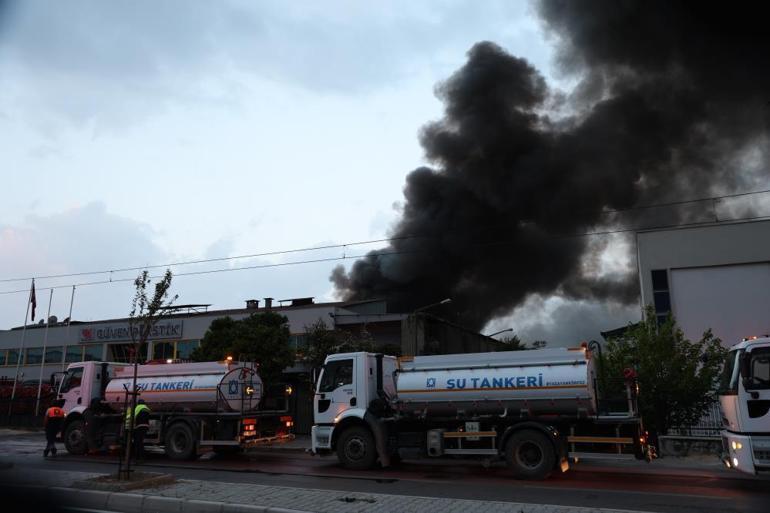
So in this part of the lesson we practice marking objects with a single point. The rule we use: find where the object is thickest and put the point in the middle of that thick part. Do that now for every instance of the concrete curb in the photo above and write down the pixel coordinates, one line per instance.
(138, 503)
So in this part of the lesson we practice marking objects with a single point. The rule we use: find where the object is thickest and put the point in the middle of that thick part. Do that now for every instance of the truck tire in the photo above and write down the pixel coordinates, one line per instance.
(530, 454)
(180, 442)
(356, 449)
(75, 438)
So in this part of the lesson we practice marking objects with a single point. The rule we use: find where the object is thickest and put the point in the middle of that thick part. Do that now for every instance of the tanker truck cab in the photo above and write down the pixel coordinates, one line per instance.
(530, 409)
(83, 382)
(346, 388)
(744, 397)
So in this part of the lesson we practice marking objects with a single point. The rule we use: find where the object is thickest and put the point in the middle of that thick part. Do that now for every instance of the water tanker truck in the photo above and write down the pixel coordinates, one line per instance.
(533, 409)
(222, 405)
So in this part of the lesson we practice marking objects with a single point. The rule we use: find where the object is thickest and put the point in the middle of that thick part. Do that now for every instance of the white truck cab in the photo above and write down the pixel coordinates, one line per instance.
(84, 381)
(345, 389)
(744, 396)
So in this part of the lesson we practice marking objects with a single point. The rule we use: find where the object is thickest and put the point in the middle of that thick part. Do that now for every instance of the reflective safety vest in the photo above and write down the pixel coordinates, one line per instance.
(139, 408)
(54, 411)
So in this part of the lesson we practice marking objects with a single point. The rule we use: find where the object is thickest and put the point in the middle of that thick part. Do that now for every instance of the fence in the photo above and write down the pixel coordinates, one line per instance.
(709, 424)
(20, 412)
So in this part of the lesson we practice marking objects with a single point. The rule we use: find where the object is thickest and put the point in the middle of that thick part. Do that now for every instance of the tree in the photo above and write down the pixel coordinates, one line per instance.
(677, 378)
(321, 342)
(145, 313)
(511, 343)
(261, 337)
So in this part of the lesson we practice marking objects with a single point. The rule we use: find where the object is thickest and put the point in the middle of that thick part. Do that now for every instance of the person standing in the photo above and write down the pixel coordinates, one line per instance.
(141, 425)
(54, 419)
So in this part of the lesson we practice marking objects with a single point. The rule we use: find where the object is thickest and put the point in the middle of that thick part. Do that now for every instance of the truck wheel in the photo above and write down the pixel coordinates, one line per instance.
(75, 438)
(530, 455)
(180, 442)
(355, 448)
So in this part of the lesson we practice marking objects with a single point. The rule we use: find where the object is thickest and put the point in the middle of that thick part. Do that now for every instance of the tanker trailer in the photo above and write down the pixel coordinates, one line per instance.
(220, 405)
(532, 409)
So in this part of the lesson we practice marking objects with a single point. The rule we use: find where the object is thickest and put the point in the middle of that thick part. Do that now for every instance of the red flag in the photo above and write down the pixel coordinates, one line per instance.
(32, 298)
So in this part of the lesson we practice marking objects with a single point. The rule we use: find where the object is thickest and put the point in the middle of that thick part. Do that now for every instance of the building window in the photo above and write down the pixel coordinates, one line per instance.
(74, 354)
(34, 356)
(3, 354)
(54, 354)
(121, 353)
(93, 352)
(660, 295)
(184, 348)
(13, 357)
(162, 350)
(298, 342)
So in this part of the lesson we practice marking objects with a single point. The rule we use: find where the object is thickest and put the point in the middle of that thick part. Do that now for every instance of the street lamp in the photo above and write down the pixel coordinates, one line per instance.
(498, 332)
(414, 318)
(442, 302)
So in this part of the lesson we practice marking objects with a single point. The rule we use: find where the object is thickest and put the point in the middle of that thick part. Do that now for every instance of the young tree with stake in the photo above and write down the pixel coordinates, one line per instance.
(146, 312)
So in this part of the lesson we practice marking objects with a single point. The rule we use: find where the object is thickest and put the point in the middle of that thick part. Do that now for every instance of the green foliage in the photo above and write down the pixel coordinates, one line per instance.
(321, 342)
(677, 378)
(146, 310)
(511, 343)
(261, 338)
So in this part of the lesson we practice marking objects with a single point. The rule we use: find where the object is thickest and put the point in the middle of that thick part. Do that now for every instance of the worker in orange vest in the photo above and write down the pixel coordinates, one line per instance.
(54, 418)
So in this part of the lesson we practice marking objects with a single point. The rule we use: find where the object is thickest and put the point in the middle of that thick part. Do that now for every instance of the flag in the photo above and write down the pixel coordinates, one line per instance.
(32, 298)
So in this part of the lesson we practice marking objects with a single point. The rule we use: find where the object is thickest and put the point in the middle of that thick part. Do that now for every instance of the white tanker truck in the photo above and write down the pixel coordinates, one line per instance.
(532, 408)
(223, 405)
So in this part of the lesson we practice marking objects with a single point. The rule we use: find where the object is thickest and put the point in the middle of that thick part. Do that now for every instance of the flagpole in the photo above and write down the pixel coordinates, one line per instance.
(69, 321)
(42, 360)
(21, 352)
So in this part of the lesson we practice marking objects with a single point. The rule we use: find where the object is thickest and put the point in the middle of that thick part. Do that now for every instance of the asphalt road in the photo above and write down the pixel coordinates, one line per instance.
(658, 486)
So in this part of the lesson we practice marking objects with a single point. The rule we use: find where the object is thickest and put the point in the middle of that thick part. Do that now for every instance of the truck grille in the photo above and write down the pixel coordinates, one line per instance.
(762, 456)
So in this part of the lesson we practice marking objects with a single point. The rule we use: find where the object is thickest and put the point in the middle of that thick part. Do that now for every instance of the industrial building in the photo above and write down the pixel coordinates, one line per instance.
(709, 276)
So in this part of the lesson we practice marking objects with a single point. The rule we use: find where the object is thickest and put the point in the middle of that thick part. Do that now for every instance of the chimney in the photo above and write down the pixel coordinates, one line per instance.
(252, 304)
(268, 303)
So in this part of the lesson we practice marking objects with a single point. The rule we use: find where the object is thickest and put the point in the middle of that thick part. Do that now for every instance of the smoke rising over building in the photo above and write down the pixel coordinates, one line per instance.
(671, 104)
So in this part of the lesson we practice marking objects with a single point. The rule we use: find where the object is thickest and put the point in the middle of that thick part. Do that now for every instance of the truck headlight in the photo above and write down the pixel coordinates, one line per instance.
(735, 462)
(736, 446)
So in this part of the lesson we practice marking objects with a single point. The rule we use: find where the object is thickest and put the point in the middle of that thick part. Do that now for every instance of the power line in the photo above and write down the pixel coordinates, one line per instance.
(207, 260)
(214, 271)
(683, 202)
(385, 253)
(340, 246)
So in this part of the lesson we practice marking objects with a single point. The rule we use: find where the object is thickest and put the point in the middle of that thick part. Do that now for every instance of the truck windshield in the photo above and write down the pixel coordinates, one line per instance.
(728, 382)
(336, 374)
(72, 379)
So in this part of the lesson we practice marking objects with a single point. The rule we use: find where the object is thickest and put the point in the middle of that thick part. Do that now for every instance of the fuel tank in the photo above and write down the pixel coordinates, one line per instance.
(545, 382)
(195, 387)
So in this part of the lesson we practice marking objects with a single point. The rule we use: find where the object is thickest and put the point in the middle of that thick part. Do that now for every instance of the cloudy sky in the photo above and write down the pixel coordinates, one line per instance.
(141, 133)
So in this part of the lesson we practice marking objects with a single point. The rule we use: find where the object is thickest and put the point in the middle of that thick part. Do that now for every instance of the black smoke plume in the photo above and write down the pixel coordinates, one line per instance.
(671, 104)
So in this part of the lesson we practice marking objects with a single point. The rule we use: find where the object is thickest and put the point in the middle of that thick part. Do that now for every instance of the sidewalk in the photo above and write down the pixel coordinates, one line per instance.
(187, 496)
